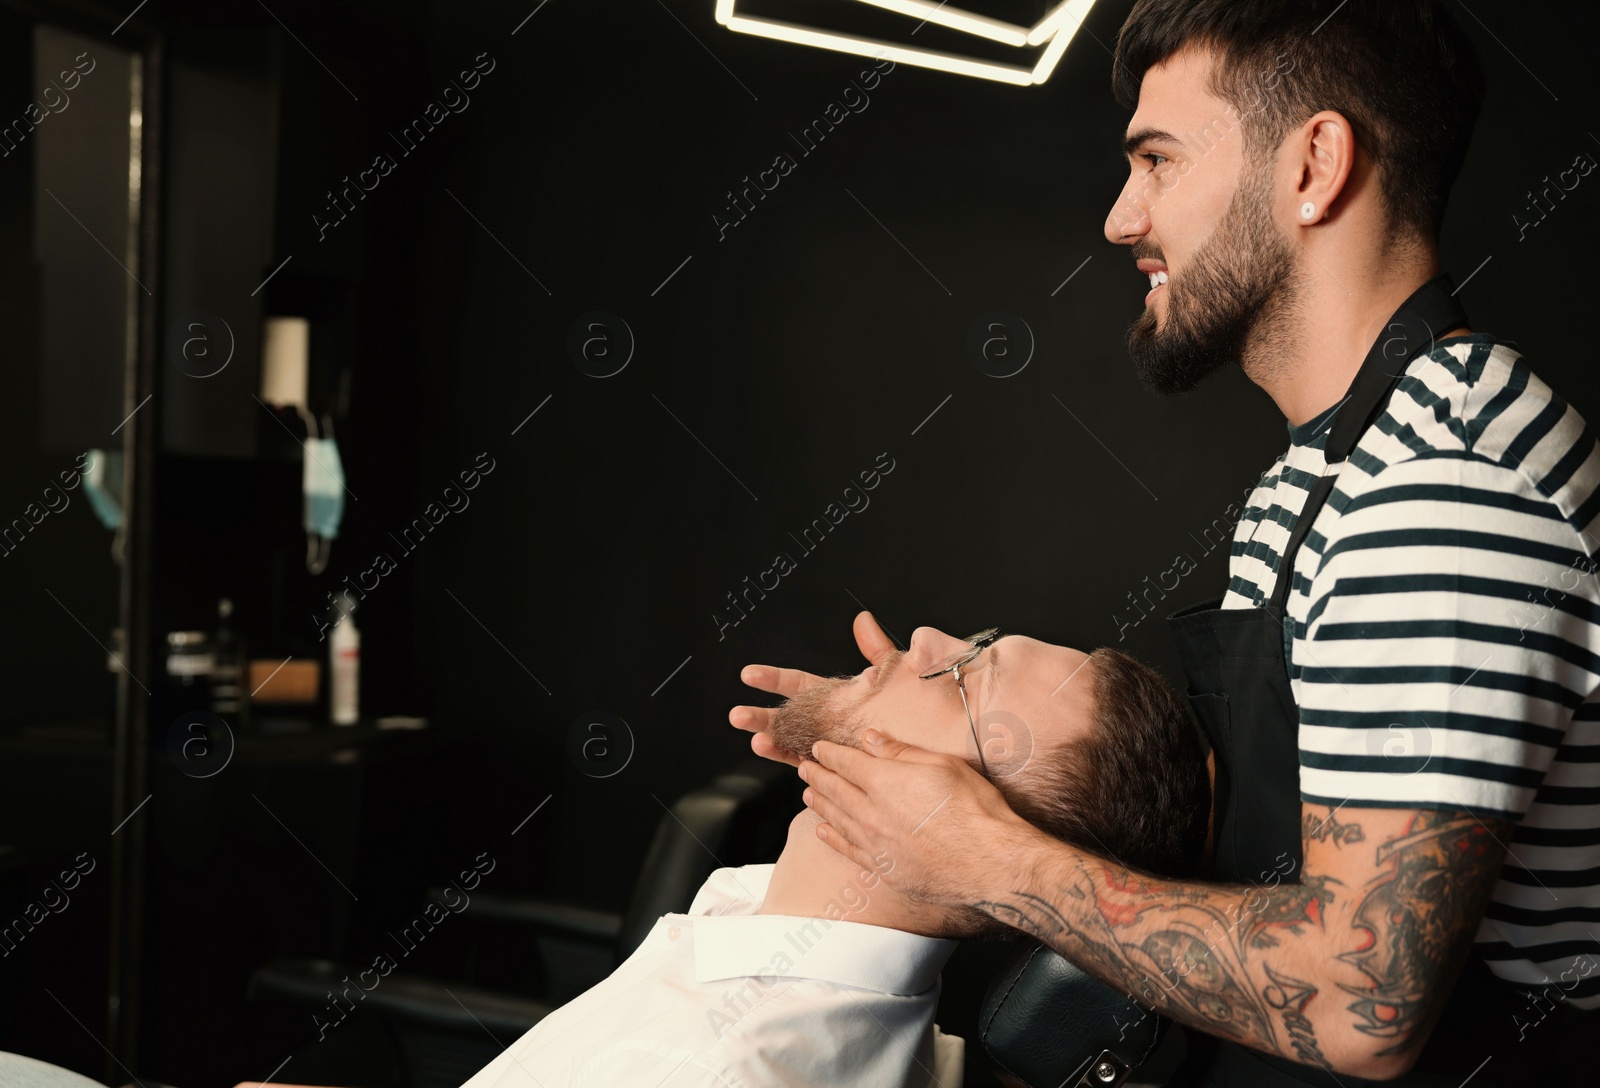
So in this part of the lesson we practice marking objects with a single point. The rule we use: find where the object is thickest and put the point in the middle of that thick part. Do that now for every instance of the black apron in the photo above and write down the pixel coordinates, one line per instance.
(1238, 680)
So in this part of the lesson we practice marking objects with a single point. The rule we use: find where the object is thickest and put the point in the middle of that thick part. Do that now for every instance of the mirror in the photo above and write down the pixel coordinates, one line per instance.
(71, 291)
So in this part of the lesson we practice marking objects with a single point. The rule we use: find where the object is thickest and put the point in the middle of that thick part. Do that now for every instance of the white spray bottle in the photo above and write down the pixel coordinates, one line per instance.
(344, 668)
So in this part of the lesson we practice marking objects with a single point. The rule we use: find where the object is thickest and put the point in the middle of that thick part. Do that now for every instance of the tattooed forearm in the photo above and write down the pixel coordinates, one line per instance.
(1290, 996)
(1289, 911)
(1030, 913)
(1179, 948)
(1418, 917)
(1328, 828)
(1383, 916)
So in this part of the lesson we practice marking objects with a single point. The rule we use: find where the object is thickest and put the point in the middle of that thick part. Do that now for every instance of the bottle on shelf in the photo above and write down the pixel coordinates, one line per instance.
(189, 664)
(344, 666)
(227, 670)
(116, 655)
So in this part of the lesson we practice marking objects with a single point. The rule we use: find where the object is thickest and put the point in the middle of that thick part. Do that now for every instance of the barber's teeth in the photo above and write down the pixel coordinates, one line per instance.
(1157, 279)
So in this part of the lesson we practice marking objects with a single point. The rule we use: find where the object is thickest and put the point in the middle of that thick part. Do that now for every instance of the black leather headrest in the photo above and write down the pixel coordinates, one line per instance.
(1044, 1021)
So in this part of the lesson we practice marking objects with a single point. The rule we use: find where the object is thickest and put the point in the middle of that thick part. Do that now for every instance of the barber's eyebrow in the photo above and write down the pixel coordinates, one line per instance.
(1135, 140)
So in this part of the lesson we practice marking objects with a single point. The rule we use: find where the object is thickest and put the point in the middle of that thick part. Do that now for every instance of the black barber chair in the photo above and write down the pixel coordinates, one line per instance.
(446, 1030)
(1047, 1024)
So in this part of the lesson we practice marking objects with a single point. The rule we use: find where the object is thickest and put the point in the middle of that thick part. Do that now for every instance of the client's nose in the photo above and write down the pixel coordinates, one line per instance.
(929, 645)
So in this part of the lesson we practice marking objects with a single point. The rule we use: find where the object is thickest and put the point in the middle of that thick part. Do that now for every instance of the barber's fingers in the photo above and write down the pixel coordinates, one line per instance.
(883, 746)
(852, 765)
(871, 639)
(785, 682)
(831, 835)
(761, 744)
(753, 719)
(830, 785)
(839, 829)
(757, 720)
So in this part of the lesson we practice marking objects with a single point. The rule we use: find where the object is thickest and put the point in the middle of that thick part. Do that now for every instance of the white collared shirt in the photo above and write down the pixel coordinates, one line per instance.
(723, 997)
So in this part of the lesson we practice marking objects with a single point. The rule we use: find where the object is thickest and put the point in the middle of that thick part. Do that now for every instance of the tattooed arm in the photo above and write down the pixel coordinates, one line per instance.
(1345, 964)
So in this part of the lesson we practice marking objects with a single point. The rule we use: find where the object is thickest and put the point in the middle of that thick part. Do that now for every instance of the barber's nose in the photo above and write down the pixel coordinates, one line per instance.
(1129, 219)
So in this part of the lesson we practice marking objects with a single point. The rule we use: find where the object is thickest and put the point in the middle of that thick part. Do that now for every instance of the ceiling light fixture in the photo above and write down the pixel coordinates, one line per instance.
(1054, 32)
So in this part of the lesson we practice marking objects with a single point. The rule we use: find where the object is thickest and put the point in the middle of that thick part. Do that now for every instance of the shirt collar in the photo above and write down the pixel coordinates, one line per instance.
(890, 961)
(1314, 431)
(730, 941)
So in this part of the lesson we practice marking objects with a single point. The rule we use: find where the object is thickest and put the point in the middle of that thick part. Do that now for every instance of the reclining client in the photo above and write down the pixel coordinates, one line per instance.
(811, 971)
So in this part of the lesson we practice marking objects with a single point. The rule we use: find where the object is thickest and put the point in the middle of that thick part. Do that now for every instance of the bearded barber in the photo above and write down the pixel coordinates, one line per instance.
(1399, 684)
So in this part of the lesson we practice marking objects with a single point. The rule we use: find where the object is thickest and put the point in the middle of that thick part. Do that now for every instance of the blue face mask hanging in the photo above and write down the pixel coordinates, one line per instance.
(102, 482)
(323, 482)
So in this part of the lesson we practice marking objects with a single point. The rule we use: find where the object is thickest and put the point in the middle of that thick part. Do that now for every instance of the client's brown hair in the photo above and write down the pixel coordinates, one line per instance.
(1134, 789)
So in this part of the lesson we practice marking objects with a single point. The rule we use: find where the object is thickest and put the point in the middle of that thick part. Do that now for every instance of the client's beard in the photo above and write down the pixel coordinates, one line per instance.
(816, 714)
(810, 716)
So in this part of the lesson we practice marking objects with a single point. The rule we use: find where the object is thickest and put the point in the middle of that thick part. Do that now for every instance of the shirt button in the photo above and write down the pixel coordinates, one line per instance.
(674, 933)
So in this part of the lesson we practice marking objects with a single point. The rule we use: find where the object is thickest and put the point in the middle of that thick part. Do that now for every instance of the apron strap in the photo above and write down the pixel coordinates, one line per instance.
(1414, 328)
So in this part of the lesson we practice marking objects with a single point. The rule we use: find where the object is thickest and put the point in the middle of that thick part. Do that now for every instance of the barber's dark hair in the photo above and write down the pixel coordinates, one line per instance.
(1132, 789)
(1403, 74)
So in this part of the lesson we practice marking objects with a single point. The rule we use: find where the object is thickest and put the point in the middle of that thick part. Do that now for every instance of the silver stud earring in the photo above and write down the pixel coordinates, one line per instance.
(1307, 210)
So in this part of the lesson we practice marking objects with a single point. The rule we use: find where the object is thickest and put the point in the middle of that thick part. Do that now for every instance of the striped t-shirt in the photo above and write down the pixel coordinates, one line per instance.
(1443, 633)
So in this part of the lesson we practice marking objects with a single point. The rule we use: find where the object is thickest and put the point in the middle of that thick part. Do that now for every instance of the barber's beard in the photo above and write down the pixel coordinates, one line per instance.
(1234, 302)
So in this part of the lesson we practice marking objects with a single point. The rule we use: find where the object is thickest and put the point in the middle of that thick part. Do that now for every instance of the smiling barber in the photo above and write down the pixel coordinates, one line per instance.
(1400, 683)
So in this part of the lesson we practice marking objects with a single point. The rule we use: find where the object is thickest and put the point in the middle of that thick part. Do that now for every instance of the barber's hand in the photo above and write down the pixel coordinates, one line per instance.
(931, 825)
(874, 644)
